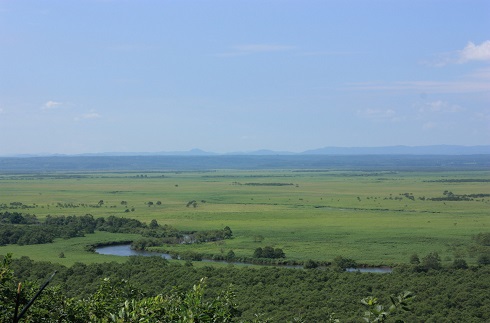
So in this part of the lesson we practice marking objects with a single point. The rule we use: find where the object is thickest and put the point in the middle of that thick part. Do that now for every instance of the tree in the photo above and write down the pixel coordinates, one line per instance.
(431, 261)
(227, 232)
(460, 264)
(153, 224)
(310, 264)
(230, 255)
(344, 263)
(414, 259)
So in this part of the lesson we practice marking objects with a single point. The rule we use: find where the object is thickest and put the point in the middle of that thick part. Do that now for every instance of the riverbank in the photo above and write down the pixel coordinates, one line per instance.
(125, 250)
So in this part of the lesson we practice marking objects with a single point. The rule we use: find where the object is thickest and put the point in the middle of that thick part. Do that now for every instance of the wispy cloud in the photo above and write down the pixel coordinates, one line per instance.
(439, 106)
(249, 49)
(50, 105)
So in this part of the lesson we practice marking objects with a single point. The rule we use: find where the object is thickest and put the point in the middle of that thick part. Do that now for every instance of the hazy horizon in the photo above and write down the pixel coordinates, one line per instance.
(160, 76)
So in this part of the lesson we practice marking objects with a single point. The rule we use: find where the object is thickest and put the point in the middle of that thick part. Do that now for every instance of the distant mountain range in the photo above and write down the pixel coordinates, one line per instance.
(386, 150)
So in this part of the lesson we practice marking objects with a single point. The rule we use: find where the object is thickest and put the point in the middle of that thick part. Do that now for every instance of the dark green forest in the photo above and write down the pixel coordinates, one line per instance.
(244, 294)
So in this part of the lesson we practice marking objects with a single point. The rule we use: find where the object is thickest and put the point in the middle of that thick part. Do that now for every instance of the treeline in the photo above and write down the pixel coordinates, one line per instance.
(450, 196)
(274, 294)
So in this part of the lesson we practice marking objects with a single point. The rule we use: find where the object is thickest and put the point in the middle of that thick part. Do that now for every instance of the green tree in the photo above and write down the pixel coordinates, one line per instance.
(230, 255)
(459, 264)
(431, 261)
(227, 232)
(342, 263)
(153, 224)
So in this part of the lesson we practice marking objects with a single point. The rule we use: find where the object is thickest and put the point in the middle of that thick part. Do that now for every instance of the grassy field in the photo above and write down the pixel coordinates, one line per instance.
(372, 217)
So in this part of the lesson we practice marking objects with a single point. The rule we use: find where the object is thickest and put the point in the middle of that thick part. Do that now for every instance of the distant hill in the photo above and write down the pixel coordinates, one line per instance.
(346, 151)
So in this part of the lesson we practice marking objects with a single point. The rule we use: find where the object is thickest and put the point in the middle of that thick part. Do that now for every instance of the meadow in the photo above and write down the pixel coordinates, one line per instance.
(374, 217)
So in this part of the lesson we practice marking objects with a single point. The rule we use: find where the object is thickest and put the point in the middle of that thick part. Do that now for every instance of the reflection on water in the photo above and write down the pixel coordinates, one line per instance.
(125, 250)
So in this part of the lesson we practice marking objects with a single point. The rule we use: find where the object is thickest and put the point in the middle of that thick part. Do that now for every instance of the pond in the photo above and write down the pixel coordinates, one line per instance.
(125, 250)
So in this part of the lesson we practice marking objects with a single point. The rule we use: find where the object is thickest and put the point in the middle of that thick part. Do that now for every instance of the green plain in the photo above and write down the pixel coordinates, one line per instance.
(312, 215)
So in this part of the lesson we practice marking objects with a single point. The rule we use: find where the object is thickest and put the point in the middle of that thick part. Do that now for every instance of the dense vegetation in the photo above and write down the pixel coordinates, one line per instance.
(280, 295)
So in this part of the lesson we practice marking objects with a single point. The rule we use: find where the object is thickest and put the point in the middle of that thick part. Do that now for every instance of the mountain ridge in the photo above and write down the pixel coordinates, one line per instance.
(328, 150)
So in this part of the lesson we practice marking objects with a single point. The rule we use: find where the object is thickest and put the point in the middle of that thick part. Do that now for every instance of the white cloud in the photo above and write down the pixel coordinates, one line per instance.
(474, 52)
(49, 105)
(90, 115)
(471, 52)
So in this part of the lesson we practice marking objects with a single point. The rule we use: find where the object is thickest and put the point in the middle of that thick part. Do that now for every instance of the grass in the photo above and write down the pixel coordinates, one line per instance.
(361, 215)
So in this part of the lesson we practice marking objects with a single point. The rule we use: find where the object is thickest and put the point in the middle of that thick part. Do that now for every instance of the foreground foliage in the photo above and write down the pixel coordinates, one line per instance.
(274, 294)
(114, 301)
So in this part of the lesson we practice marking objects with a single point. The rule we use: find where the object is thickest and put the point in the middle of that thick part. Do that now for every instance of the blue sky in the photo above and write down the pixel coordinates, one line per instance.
(222, 76)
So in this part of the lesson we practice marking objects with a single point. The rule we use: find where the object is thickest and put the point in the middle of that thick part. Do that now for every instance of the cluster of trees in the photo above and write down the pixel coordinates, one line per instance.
(16, 205)
(450, 196)
(17, 218)
(275, 294)
(269, 252)
(25, 229)
(22, 229)
(25, 235)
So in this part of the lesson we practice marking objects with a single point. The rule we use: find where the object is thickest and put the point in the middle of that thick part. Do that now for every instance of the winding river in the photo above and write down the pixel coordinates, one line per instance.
(125, 250)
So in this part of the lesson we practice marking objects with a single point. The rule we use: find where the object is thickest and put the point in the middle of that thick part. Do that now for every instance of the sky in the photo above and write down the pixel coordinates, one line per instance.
(97, 76)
